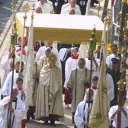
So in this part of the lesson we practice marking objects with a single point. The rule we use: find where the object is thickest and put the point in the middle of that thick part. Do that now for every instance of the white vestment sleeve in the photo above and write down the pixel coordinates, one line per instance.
(4, 90)
(5, 62)
(2, 103)
(108, 62)
(67, 69)
(78, 118)
(111, 111)
(38, 54)
(20, 114)
(110, 85)
(2, 109)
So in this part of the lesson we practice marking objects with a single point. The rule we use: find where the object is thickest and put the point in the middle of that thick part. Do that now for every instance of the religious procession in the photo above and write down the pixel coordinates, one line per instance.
(61, 58)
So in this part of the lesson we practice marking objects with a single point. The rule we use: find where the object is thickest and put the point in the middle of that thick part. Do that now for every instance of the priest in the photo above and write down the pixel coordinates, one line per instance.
(77, 83)
(49, 105)
(71, 63)
(14, 106)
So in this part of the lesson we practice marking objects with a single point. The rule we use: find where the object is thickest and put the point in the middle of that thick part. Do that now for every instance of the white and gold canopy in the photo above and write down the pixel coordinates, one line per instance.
(64, 28)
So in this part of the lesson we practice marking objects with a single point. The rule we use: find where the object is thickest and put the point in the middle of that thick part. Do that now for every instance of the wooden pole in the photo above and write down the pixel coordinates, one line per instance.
(26, 8)
(13, 57)
(91, 48)
(25, 17)
(122, 48)
(105, 9)
(98, 8)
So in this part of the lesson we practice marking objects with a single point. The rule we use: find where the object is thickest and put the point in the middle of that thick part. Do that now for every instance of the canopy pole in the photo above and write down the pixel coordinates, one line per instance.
(92, 47)
(26, 8)
(122, 48)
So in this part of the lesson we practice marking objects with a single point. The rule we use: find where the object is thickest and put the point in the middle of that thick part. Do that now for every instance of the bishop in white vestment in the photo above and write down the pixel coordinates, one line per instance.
(49, 104)
(42, 50)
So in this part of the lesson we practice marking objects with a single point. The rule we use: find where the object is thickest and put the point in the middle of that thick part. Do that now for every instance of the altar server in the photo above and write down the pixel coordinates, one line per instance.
(6, 64)
(83, 109)
(21, 96)
(6, 89)
(16, 109)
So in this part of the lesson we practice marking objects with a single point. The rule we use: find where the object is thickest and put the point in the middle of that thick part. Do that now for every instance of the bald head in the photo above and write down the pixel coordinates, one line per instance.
(81, 63)
(14, 93)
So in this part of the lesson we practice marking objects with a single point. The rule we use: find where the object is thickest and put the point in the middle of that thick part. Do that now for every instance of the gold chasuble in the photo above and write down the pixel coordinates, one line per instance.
(77, 84)
(49, 93)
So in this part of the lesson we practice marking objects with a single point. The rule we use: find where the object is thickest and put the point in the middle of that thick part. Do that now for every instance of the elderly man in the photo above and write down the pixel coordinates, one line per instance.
(12, 111)
(71, 8)
(49, 105)
(44, 6)
(41, 52)
(77, 83)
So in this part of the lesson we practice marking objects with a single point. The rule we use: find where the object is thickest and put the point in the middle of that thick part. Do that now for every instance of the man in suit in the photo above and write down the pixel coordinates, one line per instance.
(115, 73)
(83, 4)
(57, 4)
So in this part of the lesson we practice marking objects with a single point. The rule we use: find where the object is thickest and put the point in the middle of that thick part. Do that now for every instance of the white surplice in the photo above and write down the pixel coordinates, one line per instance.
(69, 66)
(81, 114)
(110, 87)
(46, 7)
(6, 89)
(5, 65)
(21, 97)
(17, 116)
(18, 53)
(65, 9)
(124, 120)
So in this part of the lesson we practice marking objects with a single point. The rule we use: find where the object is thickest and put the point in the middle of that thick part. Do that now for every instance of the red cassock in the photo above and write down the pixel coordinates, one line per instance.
(68, 96)
(23, 51)
(112, 2)
(23, 125)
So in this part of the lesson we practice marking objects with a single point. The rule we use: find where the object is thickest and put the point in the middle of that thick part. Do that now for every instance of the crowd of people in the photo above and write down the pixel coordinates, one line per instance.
(58, 71)
(64, 7)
